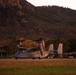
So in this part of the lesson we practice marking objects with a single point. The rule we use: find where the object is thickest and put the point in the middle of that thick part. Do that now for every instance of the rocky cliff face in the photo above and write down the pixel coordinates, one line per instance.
(12, 16)
(9, 3)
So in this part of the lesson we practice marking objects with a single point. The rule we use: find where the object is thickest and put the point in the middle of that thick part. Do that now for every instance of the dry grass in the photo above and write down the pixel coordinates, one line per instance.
(36, 62)
(38, 67)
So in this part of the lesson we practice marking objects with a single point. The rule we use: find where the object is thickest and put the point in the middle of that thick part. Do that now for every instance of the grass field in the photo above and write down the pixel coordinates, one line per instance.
(38, 67)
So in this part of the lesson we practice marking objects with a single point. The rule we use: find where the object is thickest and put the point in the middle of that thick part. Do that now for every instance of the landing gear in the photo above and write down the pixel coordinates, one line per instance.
(39, 58)
(16, 58)
(33, 58)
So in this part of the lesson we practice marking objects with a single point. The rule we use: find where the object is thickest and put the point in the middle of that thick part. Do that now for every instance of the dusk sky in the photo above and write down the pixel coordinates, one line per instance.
(63, 3)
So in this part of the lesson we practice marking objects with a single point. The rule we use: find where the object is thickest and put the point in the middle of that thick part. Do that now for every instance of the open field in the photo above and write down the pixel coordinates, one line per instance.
(38, 67)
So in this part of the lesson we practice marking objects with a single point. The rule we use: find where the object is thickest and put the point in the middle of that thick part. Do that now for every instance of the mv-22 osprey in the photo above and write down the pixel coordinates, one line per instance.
(37, 52)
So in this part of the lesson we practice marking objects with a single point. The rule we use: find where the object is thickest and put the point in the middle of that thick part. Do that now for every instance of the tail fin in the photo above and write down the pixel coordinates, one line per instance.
(60, 50)
(51, 47)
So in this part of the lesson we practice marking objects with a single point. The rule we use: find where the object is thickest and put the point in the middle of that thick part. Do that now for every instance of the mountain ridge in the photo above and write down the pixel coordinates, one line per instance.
(19, 18)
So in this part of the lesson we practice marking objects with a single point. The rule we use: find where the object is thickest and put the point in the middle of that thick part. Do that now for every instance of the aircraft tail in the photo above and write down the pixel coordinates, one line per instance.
(51, 48)
(60, 50)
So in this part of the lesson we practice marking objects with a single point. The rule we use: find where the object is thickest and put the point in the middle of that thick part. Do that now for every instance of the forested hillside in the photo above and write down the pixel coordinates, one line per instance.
(19, 18)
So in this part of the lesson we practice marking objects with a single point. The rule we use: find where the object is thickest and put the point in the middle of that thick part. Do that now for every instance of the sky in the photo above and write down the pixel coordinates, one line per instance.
(63, 3)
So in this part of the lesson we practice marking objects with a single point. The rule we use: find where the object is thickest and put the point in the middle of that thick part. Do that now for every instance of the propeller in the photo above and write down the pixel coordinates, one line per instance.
(41, 48)
(41, 45)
